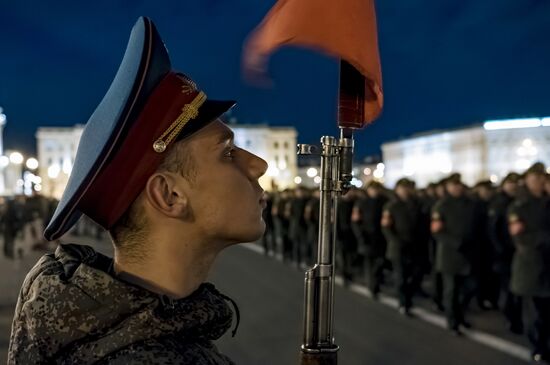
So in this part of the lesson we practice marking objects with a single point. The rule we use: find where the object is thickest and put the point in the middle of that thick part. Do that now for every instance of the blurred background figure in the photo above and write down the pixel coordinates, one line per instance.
(346, 239)
(529, 225)
(366, 219)
(453, 226)
(483, 281)
(297, 228)
(401, 225)
(503, 248)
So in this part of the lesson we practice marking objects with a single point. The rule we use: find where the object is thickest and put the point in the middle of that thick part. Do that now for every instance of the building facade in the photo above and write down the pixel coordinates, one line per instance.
(277, 146)
(482, 152)
(56, 150)
(4, 162)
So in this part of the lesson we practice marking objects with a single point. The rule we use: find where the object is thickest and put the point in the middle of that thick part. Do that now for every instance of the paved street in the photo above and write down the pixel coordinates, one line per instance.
(270, 294)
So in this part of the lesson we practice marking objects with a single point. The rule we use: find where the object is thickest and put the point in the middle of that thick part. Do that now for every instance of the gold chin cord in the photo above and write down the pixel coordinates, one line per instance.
(188, 112)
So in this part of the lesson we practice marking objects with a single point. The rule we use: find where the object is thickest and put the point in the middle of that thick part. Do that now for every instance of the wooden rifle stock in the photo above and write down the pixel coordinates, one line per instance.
(327, 358)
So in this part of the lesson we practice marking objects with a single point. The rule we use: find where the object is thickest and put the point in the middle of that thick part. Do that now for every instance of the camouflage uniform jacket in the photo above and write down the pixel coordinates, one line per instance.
(73, 310)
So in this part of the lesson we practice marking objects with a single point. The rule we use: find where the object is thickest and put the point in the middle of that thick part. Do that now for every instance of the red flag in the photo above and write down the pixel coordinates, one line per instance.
(342, 28)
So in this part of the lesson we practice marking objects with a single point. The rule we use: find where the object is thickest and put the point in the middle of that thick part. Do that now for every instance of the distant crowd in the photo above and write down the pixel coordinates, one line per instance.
(23, 220)
(486, 245)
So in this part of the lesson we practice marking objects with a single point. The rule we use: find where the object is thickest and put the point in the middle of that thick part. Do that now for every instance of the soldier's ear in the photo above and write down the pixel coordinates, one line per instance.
(166, 196)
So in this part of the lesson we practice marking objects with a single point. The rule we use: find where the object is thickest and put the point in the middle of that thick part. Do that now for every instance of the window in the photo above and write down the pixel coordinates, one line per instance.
(276, 145)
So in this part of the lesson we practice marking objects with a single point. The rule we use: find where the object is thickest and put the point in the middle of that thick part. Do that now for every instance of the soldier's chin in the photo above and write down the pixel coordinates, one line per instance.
(250, 236)
(254, 235)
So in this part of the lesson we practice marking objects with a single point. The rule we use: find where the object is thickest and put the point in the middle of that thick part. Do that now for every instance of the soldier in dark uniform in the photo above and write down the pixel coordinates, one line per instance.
(401, 225)
(13, 225)
(453, 227)
(311, 215)
(367, 215)
(529, 225)
(345, 237)
(268, 239)
(159, 170)
(279, 212)
(437, 278)
(503, 248)
(484, 280)
(297, 229)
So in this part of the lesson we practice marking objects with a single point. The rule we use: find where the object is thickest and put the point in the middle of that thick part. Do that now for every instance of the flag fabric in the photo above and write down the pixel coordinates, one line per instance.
(341, 28)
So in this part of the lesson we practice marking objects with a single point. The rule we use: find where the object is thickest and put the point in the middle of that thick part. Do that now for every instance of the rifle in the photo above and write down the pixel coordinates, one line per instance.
(318, 347)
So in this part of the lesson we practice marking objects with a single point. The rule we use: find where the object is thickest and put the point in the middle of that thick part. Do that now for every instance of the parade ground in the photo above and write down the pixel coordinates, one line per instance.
(269, 294)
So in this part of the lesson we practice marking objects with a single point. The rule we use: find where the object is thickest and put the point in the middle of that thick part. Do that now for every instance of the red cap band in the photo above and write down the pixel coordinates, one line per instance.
(124, 177)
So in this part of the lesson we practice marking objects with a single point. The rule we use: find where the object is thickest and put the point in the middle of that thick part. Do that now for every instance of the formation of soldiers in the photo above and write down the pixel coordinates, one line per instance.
(22, 221)
(486, 245)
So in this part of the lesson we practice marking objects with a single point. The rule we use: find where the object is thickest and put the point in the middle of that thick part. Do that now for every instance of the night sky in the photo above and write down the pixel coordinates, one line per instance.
(445, 64)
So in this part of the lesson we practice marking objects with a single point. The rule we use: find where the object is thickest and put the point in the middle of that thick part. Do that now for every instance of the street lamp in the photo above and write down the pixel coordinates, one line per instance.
(2, 117)
(53, 171)
(312, 172)
(16, 158)
(29, 177)
(32, 163)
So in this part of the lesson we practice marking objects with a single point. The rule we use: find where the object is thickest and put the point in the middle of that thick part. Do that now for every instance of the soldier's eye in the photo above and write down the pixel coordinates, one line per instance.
(229, 152)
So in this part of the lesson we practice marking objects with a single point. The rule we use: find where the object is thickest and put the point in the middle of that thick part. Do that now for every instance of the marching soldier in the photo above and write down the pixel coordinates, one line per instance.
(437, 279)
(297, 225)
(485, 285)
(453, 227)
(311, 215)
(529, 225)
(268, 239)
(345, 236)
(280, 223)
(366, 216)
(401, 225)
(503, 248)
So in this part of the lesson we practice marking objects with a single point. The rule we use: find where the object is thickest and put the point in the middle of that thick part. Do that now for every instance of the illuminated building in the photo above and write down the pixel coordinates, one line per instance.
(57, 146)
(3, 162)
(482, 152)
(277, 146)
(56, 151)
(16, 171)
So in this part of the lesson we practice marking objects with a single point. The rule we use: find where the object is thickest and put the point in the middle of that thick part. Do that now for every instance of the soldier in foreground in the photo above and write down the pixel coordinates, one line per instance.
(158, 170)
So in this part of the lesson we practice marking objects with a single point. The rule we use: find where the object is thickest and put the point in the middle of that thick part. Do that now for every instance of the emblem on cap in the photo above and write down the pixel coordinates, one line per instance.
(188, 86)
